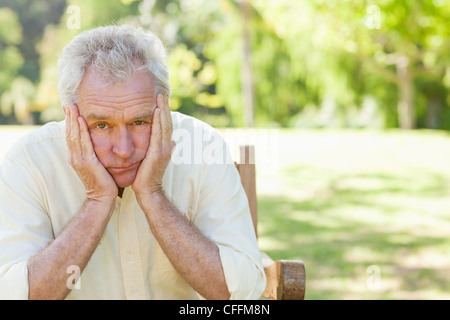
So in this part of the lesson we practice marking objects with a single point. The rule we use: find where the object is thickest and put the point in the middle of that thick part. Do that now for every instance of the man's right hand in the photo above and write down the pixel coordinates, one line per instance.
(100, 185)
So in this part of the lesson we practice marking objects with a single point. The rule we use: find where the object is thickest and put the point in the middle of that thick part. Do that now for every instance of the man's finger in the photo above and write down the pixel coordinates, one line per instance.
(75, 131)
(156, 135)
(166, 120)
(67, 122)
(85, 139)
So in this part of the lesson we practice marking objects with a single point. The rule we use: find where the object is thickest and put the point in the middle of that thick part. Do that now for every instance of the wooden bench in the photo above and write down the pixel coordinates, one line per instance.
(286, 279)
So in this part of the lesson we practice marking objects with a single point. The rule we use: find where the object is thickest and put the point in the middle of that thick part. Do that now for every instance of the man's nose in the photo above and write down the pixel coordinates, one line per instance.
(123, 144)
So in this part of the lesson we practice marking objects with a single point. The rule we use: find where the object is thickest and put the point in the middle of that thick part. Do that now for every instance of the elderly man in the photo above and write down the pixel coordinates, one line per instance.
(95, 207)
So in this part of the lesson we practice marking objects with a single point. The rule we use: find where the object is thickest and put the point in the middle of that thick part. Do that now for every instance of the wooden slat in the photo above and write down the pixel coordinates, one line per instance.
(246, 168)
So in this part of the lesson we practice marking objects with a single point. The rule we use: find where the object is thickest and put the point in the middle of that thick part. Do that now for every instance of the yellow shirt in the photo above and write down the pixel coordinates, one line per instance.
(40, 193)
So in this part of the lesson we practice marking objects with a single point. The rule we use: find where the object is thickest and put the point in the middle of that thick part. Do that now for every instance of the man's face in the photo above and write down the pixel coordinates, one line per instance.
(119, 119)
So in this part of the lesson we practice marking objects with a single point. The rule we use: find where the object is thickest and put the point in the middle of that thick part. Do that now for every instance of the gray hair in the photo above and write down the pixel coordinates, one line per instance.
(116, 52)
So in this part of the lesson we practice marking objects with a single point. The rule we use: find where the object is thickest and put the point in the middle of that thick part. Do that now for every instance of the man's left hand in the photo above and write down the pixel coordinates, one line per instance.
(149, 177)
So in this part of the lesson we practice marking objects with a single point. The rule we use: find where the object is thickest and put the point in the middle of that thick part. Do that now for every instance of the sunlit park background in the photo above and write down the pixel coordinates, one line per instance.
(347, 103)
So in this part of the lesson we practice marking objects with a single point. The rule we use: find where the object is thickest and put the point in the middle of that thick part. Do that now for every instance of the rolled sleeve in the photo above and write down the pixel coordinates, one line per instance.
(244, 277)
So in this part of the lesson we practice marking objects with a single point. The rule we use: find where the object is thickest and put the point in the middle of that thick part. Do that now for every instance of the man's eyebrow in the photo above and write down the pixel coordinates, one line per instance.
(100, 117)
(143, 115)
(97, 117)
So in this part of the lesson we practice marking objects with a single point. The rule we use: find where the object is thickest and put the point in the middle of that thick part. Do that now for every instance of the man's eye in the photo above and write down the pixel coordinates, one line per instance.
(101, 126)
(139, 122)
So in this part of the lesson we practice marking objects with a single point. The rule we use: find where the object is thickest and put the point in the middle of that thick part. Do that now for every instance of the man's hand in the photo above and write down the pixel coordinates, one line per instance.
(100, 185)
(151, 171)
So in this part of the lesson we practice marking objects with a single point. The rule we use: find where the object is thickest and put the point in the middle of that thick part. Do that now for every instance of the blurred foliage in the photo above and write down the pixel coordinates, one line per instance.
(11, 58)
(26, 22)
(356, 63)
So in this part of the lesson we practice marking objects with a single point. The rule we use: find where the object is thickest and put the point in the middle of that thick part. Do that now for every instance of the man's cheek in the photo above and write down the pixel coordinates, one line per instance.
(101, 147)
(142, 141)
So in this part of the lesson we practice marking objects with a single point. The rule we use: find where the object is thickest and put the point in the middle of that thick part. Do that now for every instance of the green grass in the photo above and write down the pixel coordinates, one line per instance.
(342, 219)
(396, 223)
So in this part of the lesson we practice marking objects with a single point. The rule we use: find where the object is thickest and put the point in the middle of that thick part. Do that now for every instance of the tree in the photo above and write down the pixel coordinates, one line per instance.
(326, 60)
(34, 16)
(10, 57)
(401, 41)
(27, 27)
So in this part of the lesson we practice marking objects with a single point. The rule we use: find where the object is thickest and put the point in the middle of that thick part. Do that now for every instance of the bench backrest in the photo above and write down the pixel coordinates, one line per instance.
(247, 171)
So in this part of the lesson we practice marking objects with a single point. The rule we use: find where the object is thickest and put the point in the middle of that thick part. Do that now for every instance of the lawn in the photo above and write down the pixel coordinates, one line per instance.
(368, 212)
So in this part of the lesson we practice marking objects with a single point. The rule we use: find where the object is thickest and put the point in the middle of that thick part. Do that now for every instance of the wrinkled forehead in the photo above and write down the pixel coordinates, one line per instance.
(136, 93)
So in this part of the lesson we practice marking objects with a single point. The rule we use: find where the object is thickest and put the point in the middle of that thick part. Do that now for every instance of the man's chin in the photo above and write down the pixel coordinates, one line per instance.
(124, 181)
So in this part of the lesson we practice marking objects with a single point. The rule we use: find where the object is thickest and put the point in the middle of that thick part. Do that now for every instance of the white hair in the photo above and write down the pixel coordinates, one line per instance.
(116, 53)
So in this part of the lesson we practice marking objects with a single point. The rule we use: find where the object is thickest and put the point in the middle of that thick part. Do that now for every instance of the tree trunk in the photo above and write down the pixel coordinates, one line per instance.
(433, 113)
(406, 112)
(246, 71)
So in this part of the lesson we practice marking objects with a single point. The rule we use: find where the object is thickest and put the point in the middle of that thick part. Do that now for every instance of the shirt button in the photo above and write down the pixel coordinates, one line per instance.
(124, 215)
(130, 256)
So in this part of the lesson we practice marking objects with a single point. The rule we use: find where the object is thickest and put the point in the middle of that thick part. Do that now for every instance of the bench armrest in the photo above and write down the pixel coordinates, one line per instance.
(286, 279)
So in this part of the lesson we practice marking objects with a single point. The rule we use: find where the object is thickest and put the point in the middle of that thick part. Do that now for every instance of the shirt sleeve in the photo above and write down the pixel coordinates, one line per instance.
(25, 228)
(224, 216)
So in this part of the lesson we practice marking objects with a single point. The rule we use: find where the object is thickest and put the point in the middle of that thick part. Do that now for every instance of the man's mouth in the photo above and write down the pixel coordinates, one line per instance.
(122, 169)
